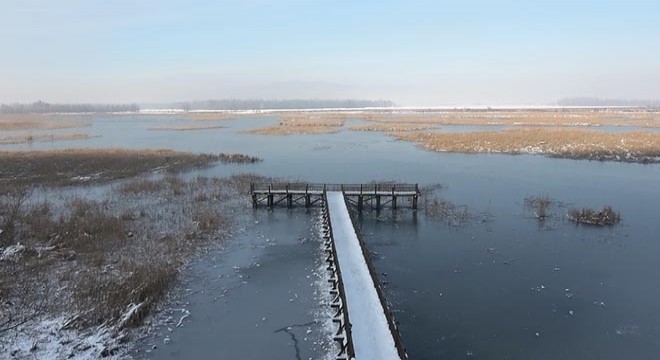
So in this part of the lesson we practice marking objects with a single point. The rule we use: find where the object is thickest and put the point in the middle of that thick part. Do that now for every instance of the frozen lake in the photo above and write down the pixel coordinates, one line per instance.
(498, 287)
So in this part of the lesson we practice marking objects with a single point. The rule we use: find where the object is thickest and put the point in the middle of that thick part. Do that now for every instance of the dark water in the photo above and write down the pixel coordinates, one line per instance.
(258, 297)
(479, 291)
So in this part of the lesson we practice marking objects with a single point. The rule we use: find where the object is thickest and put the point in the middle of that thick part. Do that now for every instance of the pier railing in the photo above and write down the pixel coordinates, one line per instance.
(308, 194)
(398, 342)
(297, 187)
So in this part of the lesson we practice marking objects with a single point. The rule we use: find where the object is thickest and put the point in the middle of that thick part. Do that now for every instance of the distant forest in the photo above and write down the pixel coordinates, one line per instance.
(590, 101)
(258, 104)
(41, 107)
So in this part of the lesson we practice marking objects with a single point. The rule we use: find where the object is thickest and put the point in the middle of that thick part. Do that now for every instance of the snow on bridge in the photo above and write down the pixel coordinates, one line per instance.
(372, 331)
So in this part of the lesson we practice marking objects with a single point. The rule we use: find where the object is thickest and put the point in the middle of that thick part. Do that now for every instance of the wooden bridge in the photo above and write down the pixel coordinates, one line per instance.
(366, 329)
(375, 196)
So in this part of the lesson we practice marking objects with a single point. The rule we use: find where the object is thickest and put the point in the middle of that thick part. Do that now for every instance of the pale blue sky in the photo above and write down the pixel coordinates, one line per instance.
(412, 52)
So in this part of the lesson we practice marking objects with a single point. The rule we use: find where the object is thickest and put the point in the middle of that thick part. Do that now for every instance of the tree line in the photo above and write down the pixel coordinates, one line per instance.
(259, 104)
(41, 107)
(592, 101)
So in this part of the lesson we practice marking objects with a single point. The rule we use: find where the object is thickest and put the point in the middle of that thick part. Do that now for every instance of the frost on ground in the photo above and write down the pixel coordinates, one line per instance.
(323, 314)
(78, 274)
(51, 338)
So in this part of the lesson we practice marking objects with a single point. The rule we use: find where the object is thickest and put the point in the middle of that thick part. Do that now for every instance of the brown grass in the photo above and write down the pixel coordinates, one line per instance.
(31, 138)
(10, 122)
(311, 121)
(301, 124)
(606, 216)
(185, 127)
(561, 142)
(293, 130)
(488, 117)
(447, 211)
(540, 205)
(113, 258)
(393, 127)
(76, 166)
(237, 159)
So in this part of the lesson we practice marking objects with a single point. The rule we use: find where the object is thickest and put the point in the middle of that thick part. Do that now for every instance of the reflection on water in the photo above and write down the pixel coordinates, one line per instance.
(506, 288)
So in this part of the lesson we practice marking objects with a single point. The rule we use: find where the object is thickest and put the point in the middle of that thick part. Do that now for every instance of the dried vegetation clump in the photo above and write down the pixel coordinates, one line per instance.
(83, 166)
(238, 159)
(436, 207)
(603, 217)
(540, 205)
(185, 127)
(105, 263)
(495, 117)
(447, 211)
(32, 138)
(521, 117)
(293, 125)
(642, 147)
(394, 127)
(17, 122)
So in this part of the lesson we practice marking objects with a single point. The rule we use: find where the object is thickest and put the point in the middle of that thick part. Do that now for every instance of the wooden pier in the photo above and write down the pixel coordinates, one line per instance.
(374, 196)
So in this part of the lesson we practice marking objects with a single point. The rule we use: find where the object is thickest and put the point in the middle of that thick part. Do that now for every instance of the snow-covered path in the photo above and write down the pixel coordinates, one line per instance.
(371, 335)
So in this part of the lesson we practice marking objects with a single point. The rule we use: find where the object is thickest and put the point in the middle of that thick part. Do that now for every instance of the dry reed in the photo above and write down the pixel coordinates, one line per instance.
(603, 217)
(641, 147)
(185, 127)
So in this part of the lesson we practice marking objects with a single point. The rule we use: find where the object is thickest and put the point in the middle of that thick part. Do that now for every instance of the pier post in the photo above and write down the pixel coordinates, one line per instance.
(393, 197)
(360, 200)
(415, 202)
(254, 200)
(377, 202)
(289, 200)
(308, 201)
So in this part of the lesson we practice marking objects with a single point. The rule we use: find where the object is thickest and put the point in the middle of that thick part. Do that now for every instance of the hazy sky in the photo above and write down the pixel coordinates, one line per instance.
(411, 52)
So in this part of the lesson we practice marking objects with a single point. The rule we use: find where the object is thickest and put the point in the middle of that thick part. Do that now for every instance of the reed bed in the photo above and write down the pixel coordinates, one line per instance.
(393, 127)
(489, 117)
(641, 147)
(17, 122)
(293, 130)
(31, 138)
(605, 216)
(101, 265)
(84, 166)
(185, 127)
(540, 205)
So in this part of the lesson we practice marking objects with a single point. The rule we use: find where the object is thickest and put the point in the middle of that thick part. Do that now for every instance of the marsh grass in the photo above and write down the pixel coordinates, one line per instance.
(31, 138)
(490, 117)
(605, 216)
(185, 127)
(294, 130)
(301, 124)
(112, 258)
(448, 212)
(88, 166)
(393, 127)
(540, 205)
(438, 208)
(17, 122)
(643, 147)
(226, 158)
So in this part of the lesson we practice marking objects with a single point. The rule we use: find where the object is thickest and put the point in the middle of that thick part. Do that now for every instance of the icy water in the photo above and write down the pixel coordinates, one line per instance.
(502, 286)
